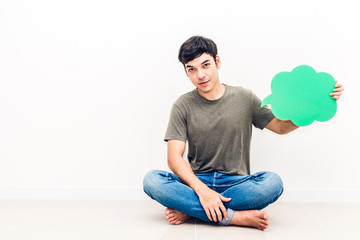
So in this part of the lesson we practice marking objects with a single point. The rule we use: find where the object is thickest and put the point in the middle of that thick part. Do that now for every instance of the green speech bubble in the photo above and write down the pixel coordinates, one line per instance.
(302, 96)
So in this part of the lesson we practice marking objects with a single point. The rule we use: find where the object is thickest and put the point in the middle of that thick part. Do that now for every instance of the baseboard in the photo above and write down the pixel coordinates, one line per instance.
(320, 195)
(122, 193)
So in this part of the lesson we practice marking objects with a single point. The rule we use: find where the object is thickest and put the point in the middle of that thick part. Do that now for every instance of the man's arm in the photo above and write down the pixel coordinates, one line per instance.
(280, 126)
(211, 201)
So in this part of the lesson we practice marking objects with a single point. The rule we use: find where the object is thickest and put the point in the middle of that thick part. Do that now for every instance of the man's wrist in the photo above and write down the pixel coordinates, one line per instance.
(199, 187)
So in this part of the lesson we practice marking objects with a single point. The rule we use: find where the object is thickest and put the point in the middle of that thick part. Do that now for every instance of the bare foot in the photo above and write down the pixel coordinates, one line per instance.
(175, 217)
(251, 218)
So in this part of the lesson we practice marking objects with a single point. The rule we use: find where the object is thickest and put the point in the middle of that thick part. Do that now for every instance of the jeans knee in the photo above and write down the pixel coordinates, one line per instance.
(151, 181)
(275, 183)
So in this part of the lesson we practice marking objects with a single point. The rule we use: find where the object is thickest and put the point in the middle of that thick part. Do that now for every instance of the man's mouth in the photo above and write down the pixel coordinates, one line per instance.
(204, 83)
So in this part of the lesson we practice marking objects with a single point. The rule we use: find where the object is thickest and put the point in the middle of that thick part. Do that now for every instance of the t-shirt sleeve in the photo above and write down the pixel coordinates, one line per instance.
(261, 116)
(176, 129)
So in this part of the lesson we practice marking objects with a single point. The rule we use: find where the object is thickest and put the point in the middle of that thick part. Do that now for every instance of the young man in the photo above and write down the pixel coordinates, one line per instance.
(216, 120)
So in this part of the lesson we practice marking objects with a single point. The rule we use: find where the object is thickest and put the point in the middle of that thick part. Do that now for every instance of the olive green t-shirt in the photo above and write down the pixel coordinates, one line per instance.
(218, 131)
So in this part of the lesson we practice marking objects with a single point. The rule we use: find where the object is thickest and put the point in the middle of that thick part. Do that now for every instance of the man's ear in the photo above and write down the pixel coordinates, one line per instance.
(218, 62)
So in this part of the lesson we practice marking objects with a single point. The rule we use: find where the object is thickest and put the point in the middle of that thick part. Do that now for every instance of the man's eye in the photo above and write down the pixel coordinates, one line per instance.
(190, 69)
(206, 64)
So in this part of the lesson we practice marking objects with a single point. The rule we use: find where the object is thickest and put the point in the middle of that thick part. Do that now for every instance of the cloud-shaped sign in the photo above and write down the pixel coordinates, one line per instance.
(302, 96)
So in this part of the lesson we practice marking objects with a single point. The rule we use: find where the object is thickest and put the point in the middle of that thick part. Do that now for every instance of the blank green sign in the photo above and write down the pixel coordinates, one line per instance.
(302, 96)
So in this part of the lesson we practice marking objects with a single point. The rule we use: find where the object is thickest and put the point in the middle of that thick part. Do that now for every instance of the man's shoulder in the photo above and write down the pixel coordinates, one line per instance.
(239, 90)
(185, 98)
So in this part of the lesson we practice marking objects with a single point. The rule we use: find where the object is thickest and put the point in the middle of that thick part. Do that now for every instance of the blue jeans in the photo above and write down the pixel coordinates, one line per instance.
(248, 192)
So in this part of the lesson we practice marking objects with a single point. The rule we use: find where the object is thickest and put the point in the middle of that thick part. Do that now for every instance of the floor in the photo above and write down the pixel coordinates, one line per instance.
(118, 219)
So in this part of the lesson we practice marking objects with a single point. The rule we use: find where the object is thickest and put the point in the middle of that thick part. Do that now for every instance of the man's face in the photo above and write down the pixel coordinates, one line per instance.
(203, 72)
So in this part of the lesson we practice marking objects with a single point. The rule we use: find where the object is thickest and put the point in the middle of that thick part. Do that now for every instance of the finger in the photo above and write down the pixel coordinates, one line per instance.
(336, 97)
(213, 215)
(225, 199)
(336, 94)
(219, 215)
(223, 209)
(338, 89)
(208, 214)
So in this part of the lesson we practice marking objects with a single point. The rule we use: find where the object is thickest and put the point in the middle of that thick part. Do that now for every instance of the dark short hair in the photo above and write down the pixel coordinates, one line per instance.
(195, 47)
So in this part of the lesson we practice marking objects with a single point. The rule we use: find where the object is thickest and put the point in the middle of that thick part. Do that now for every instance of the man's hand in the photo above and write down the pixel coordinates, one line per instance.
(212, 202)
(337, 91)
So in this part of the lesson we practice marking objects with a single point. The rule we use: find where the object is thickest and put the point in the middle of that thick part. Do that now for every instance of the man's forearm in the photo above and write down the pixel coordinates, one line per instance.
(178, 165)
(211, 201)
(287, 126)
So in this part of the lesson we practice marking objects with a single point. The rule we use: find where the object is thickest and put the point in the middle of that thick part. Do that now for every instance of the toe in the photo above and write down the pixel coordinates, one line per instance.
(262, 226)
(264, 222)
(169, 210)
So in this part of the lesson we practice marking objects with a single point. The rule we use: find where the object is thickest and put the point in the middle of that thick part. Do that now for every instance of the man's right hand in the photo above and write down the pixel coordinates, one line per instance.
(212, 202)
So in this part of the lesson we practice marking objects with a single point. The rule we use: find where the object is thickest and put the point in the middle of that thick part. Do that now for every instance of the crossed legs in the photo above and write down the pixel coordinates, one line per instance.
(249, 194)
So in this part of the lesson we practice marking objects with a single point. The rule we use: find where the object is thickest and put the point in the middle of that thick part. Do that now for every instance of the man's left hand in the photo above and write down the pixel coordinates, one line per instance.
(337, 91)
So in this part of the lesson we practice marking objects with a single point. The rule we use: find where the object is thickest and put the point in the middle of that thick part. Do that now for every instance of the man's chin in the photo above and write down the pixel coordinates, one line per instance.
(204, 90)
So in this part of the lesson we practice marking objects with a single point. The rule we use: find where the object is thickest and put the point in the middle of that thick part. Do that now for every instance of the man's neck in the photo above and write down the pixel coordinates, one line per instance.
(216, 93)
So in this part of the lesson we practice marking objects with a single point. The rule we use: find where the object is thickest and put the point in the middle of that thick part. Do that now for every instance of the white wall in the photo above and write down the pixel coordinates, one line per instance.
(86, 86)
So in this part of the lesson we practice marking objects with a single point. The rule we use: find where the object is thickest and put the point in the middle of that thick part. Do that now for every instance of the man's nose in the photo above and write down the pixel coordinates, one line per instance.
(201, 74)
